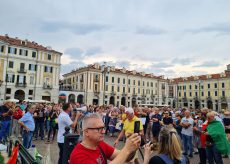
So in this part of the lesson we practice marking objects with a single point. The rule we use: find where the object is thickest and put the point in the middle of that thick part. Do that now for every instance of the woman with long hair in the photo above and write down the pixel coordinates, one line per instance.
(170, 149)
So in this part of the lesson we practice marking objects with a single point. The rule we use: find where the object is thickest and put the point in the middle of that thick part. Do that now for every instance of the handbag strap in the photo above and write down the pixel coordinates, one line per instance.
(103, 154)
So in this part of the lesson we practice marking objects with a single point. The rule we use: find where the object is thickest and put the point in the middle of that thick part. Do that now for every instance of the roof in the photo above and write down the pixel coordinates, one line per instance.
(29, 44)
(117, 70)
(201, 77)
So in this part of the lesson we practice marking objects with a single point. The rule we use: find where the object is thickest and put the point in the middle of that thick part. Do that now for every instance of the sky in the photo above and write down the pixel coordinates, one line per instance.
(174, 38)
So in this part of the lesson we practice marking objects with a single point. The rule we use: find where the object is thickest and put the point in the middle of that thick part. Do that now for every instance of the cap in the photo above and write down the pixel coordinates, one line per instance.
(129, 110)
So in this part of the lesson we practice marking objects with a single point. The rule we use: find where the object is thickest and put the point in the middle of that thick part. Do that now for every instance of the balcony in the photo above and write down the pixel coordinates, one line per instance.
(20, 84)
(96, 80)
(124, 94)
(22, 70)
(46, 86)
(113, 93)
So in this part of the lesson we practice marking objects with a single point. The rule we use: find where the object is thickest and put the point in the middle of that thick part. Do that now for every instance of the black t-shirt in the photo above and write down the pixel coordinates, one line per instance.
(167, 121)
(40, 115)
(226, 122)
(158, 160)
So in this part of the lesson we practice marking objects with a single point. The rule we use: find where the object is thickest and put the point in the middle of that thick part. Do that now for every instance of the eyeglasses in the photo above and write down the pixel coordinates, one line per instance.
(99, 130)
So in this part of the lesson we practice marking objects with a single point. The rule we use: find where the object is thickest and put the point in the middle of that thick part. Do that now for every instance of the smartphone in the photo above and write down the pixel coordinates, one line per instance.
(136, 126)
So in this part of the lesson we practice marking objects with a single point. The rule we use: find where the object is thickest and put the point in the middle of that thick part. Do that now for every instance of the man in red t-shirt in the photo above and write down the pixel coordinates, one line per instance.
(93, 150)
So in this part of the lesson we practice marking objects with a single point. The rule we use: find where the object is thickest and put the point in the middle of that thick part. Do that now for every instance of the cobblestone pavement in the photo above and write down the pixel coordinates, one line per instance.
(50, 151)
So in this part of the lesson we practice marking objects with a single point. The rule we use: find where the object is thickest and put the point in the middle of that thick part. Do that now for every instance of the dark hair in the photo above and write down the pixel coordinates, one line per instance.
(65, 106)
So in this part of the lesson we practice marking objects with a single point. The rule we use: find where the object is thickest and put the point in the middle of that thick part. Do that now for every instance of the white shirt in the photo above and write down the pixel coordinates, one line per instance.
(189, 130)
(63, 121)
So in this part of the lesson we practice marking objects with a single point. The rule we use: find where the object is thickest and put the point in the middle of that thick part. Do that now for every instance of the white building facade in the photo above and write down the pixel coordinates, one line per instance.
(29, 70)
(96, 84)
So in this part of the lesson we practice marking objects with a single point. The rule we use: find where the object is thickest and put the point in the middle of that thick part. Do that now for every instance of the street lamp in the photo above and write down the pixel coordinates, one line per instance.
(104, 70)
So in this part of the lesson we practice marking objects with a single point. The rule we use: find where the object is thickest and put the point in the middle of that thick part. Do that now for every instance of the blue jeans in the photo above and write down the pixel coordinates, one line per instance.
(213, 154)
(4, 129)
(187, 142)
(27, 138)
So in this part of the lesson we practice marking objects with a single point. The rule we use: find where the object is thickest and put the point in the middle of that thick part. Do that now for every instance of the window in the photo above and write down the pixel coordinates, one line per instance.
(95, 87)
(10, 78)
(196, 94)
(112, 89)
(139, 91)
(8, 91)
(34, 54)
(179, 94)
(106, 88)
(139, 83)
(202, 87)
(21, 79)
(123, 89)
(202, 93)
(223, 93)
(11, 64)
(134, 83)
(208, 85)
(222, 85)
(147, 84)
(49, 57)
(118, 89)
(129, 89)
(195, 86)
(32, 67)
(12, 50)
(2, 48)
(133, 90)
(190, 87)
(23, 52)
(209, 94)
(215, 85)
(151, 84)
(143, 83)
(190, 94)
(143, 91)
(184, 94)
(129, 81)
(48, 69)
(112, 79)
(30, 92)
(106, 79)
(216, 94)
(118, 80)
(123, 81)
(31, 80)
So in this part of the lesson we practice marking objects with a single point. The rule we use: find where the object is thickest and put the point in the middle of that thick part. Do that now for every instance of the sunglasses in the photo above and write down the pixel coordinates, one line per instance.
(99, 129)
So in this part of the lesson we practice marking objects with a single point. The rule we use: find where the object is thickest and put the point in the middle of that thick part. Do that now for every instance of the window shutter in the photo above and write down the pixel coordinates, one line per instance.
(20, 52)
(15, 51)
(13, 78)
(51, 69)
(17, 78)
(8, 49)
(29, 66)
(24, 81)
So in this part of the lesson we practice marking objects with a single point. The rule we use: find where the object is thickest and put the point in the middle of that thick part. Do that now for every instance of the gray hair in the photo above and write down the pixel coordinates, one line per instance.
(85, 121)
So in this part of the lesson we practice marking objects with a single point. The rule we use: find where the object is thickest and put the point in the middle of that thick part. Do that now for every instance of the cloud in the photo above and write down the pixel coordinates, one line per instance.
(74, 52)
(183, 61)
(66, 68)
(162, 65)
(220, 28)
(150, 31)
(93, 50)
(76, 28)
(208, 64)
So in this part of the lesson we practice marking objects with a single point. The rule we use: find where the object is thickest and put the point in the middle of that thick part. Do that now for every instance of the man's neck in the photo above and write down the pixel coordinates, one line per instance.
(89, 144)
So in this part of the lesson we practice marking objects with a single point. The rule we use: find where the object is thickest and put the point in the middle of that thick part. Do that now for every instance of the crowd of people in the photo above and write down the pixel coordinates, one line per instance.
(176, 134)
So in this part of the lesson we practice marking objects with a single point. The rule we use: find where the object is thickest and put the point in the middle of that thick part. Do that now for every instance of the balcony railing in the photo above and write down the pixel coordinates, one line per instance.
(20, 84)
(46, 86)
(22, 70)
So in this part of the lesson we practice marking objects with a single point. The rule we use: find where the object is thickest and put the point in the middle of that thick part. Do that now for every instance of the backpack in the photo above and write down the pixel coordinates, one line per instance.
(167, 160)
